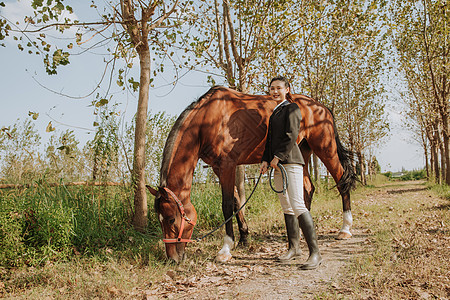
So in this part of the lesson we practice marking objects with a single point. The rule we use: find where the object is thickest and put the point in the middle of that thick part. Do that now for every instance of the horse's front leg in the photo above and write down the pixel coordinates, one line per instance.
(227, 182)
(308, 187)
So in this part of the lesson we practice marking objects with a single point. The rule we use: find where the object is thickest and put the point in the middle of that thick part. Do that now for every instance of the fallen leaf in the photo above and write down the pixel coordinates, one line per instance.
(171, 274)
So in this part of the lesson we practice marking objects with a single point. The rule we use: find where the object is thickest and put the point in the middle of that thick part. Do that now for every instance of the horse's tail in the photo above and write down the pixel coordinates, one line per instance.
(349, 178)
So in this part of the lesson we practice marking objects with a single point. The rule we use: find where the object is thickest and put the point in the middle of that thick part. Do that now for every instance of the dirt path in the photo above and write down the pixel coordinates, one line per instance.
(255, 274)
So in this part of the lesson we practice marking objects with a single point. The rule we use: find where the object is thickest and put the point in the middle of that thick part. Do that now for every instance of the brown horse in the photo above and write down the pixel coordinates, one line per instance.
(226, 128)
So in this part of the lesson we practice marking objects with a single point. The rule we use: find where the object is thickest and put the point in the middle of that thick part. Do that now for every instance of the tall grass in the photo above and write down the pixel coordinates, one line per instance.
(56, 223)
(82, 240)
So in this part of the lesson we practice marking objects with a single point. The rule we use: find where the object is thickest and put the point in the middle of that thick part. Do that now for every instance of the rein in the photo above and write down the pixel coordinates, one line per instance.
(233, 215)
(283, 178)
(186, 219)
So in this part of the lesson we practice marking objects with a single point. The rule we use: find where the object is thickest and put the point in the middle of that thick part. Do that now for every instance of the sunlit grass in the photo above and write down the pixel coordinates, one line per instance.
(107, 258)
(407, 256)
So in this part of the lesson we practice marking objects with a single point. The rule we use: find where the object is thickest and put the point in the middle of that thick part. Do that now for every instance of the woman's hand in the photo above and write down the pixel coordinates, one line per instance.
(274, 163)
(264, 166)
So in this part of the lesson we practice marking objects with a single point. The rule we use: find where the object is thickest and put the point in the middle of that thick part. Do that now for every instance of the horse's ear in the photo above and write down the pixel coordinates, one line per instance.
(152, 190)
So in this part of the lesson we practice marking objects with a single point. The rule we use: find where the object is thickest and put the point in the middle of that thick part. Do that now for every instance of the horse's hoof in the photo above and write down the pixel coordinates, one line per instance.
(243, 244)
(344, 235)
(223, 258)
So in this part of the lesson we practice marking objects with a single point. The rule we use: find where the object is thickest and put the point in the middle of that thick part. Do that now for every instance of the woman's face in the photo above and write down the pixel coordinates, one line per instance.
(278, 90)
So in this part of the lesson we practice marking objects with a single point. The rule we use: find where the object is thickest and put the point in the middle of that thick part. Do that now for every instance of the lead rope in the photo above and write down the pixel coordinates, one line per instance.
(236, 212)
(283, 178)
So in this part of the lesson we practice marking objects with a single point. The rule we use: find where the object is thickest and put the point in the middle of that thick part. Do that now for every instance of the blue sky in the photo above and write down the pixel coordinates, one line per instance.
(21, 94)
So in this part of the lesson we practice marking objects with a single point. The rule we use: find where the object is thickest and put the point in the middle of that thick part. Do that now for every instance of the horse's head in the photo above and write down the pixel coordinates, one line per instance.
(177, 221)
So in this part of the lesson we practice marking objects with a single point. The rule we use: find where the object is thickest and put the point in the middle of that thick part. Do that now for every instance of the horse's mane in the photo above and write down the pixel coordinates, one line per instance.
(168, 148)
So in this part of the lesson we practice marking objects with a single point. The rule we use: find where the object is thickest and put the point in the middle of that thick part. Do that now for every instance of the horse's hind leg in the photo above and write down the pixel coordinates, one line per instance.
(242, 224)
(345, 233)
(336, 171)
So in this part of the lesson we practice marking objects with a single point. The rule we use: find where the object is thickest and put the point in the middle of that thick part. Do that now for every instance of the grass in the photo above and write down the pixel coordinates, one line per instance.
(406, 255)
(78, 241)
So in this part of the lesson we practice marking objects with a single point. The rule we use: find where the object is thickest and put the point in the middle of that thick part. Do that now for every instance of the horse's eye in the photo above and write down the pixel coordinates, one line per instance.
(171, 221)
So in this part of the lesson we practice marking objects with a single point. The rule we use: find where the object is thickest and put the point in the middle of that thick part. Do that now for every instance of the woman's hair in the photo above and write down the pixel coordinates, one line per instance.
(286, 84)
(281, 78)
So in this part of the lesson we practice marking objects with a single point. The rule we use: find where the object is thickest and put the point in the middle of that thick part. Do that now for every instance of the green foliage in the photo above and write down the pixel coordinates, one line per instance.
(414, 175)
(49, 229)
(103, 150)
(375, 165)
(64, 159)
(442, 190)
(408, 175)
(207, 199)
(388, 174)
(11, 239)
(53, 223)
(102, 219)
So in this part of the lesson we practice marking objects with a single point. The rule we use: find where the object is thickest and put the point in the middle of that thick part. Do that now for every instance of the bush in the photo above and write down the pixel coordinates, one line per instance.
(388, 174)
(414, 175)
(11, 241)
(49, 230)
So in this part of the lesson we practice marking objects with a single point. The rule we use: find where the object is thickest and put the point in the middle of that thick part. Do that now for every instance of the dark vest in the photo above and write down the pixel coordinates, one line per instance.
(284, 127)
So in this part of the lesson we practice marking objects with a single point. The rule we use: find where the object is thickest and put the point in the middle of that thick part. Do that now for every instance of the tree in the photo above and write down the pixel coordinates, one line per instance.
(236, 38)
(421, 39)
(340, 55)
(131, 26)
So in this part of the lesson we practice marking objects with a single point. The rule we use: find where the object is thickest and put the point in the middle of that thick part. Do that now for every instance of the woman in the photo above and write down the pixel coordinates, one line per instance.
(281, 147)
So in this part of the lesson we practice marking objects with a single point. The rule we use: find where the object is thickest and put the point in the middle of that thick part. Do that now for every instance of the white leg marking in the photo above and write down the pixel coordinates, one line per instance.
(224, 254)
(348, 221)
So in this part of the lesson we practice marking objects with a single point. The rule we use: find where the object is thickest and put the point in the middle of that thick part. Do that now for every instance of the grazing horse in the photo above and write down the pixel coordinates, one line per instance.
(226, 128)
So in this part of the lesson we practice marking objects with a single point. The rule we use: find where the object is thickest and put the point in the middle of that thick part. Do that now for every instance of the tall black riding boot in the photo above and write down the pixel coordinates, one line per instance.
(293, 234)
(309, 232)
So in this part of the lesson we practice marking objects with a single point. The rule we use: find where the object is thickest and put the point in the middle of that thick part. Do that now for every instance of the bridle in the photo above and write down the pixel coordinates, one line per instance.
(184, 219)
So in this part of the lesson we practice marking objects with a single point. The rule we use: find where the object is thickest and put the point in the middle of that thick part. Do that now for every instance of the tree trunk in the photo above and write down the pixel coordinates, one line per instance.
(442, 174)
(427, 166)
(361, 167)
(446, 149)
(435, 159)
(140, 194)
(95, 168)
